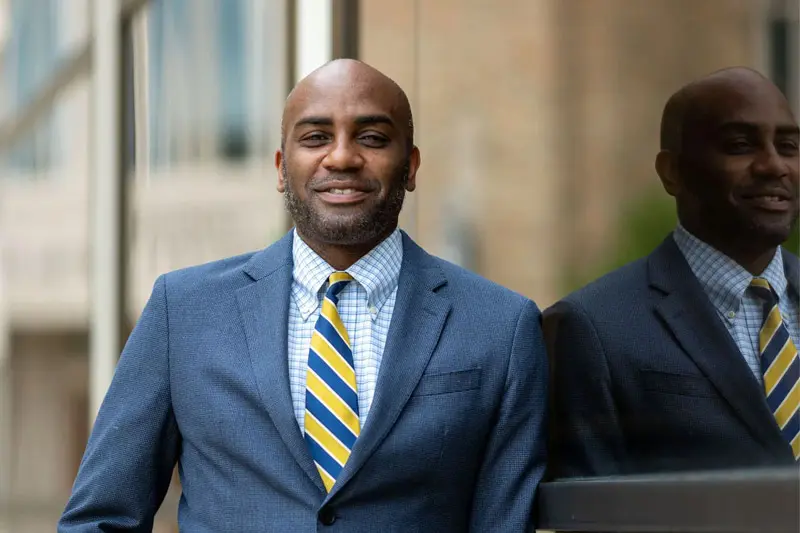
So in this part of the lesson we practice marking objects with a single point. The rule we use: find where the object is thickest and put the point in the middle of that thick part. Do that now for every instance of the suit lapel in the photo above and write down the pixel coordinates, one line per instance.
(688, 313)
(417, 322)
(791, 267)
(264, 310)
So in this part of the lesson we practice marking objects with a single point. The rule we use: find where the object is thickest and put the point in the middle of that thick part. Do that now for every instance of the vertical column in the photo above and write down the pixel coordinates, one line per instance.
(141, 94)
(345, 31)
(314, 35)
(258, 84)
(105, 201)
(5, 407)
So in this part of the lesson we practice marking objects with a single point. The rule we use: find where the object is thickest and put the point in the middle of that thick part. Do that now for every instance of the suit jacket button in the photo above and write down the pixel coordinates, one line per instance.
(327, 516)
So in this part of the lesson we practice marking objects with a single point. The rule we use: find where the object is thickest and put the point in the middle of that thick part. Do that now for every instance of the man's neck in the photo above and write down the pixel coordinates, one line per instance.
(753, 258)
(341, 256)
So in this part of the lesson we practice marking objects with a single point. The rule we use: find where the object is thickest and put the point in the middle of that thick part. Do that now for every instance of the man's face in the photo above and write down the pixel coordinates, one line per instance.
(346, 162)
(739, 166)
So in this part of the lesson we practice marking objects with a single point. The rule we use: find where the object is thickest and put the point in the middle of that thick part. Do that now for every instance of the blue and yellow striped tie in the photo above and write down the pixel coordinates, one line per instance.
(331, 421)
(780, 366)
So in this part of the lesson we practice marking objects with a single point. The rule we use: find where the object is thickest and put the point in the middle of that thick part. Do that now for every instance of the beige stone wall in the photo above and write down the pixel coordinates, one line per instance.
(49, 380)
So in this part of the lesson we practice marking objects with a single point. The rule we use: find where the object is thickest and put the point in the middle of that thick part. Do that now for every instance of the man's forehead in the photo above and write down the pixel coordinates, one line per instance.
(341, 102)
(736, 104)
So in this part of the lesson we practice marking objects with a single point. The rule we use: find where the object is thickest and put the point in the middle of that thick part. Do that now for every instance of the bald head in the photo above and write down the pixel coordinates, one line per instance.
(729, 157)
(707, 96)
(349, 76)
(347, 158)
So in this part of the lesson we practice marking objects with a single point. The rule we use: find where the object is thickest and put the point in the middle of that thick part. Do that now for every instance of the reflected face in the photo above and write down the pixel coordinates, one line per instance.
(739, 165)
(346, 161)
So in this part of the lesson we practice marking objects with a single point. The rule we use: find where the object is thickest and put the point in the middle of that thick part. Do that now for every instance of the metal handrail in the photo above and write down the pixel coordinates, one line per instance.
(731, 501)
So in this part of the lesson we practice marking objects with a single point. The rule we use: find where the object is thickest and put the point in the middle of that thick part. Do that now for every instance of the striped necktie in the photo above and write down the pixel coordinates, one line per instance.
(780, 366)
(331, 419)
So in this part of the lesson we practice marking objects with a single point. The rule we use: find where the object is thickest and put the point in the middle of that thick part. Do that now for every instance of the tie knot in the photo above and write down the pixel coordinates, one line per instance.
(338, 281)
(763, 289)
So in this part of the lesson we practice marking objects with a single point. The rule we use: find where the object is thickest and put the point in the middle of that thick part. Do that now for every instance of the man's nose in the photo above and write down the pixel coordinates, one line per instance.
(770, 163)
(343, 156)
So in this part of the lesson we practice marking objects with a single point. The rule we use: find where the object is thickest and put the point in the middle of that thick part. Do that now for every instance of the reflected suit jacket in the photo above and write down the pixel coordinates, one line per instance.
(646, 377)
(454, 442)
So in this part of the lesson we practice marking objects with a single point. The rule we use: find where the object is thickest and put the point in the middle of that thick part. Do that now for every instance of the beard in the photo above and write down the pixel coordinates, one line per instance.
(365, 223)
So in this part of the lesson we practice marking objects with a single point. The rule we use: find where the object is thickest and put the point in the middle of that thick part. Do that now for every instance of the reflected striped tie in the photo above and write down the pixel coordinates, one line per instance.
(780, 365)
(331, 420)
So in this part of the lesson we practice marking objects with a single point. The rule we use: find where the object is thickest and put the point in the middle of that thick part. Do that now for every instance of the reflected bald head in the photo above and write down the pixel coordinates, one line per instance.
(705, 97)
(729, 145)
(349, 75)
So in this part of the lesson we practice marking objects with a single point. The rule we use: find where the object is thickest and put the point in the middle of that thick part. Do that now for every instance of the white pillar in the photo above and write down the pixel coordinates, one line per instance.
(314, 31)
(104, 194)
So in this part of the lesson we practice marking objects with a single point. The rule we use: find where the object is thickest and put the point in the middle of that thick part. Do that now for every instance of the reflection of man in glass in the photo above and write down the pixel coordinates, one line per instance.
(687, 359)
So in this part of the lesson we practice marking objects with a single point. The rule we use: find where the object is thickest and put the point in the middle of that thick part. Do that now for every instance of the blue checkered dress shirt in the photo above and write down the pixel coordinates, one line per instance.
(727, 285)
(365, 306)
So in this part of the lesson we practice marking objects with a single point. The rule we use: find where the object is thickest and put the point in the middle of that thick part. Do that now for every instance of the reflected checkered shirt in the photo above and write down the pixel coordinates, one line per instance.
(365, 306)
(727, 285)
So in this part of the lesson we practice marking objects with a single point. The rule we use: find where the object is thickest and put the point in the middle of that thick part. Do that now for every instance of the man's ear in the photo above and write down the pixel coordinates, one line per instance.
(414, 160)
(281, 185)
(667, 169)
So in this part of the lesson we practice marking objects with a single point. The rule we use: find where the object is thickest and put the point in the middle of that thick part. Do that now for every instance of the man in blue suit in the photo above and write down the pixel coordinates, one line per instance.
(687, 359)
(342, 379)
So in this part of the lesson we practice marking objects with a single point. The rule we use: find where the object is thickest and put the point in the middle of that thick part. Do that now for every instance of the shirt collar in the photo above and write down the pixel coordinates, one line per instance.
(723, 279)
(377, 272)
(776, 276)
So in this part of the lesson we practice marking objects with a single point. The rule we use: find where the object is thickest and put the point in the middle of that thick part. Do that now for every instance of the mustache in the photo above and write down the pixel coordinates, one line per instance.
(786, 191)
(360, 183)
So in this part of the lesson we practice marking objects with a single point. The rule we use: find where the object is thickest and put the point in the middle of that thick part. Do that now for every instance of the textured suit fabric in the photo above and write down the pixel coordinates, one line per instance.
(454, 441)
(646, 377)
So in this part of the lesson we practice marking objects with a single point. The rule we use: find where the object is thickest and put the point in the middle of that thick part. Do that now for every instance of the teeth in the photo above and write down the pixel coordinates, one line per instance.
(772, 198)
(342, 191)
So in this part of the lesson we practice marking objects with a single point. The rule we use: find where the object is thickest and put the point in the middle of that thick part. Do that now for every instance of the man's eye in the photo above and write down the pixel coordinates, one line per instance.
(787, 147)
(373, 140)
(314, 139)
(737, 146)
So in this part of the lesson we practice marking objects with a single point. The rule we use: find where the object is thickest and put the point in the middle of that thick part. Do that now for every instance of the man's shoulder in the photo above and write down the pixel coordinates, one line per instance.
(620, 287)
(218, 270)
(231, 272)
(469, 286)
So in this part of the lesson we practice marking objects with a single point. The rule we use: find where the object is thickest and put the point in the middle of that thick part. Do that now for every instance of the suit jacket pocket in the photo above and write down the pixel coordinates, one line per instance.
(443, 383)
(681, 384)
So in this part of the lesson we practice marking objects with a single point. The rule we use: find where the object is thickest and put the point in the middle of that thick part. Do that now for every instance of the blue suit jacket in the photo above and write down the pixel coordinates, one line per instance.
(646, 377)
(454, 441)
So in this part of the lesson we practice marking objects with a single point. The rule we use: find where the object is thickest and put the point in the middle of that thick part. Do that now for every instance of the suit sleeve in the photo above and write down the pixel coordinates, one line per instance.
(129, 459)
(586, 435)
(515, 456)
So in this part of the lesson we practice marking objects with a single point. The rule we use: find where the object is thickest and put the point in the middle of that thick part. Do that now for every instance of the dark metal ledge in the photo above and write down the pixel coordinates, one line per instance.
(758, 500)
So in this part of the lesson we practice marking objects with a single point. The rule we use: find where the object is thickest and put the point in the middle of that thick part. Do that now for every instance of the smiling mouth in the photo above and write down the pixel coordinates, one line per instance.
(770, 202)
(342, 196)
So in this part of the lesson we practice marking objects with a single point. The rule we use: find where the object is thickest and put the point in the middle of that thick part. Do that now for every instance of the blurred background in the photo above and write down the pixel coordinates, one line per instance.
(138, 136)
